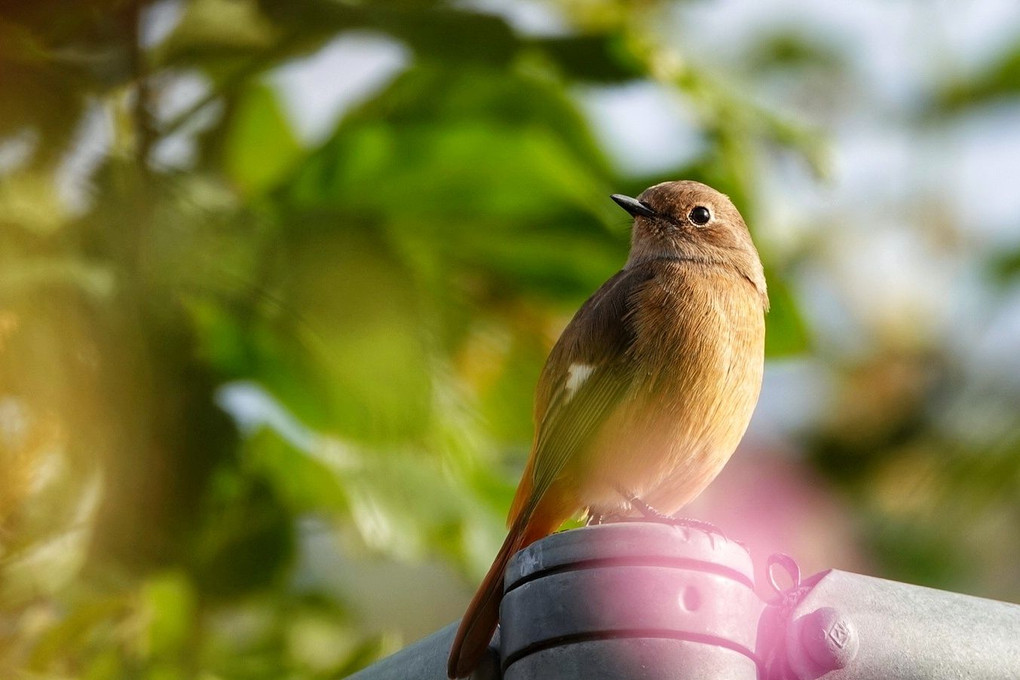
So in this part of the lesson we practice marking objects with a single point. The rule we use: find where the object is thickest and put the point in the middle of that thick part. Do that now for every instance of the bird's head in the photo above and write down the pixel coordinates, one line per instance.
(687, 220)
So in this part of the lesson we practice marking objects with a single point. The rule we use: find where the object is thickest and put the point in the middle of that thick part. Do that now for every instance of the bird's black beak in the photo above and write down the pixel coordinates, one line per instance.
(633, 206)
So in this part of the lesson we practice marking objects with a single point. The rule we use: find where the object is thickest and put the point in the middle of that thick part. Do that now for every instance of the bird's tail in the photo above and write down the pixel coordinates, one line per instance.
(482, 615)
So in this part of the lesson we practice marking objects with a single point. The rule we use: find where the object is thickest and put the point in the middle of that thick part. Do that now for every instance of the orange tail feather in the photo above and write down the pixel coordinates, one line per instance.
(482, 615)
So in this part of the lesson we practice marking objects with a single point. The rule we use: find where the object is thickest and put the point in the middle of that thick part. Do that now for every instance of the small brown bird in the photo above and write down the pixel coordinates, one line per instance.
(649, 389)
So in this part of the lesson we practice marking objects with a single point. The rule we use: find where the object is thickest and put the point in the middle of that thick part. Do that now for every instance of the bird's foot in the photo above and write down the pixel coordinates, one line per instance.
(647, 511)
(650, 514)
(699, 524)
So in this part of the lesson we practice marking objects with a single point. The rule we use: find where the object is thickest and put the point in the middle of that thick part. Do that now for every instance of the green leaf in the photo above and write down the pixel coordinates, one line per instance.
(210, 30)
(785, 332)
(600, 58)
(795, 49)
(169, 606)
(260, 146)
(998, 80)
(426, 26)
(1004, 267)
(464, 143)
(30, 200)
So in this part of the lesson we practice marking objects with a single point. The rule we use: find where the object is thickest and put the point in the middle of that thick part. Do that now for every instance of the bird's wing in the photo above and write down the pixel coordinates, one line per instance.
(587, 373)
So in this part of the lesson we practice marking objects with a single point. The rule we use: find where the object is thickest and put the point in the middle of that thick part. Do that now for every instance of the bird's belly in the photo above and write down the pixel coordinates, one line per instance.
(667, 458)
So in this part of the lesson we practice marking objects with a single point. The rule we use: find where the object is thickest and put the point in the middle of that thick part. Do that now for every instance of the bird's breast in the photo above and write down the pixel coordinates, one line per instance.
(698, 354)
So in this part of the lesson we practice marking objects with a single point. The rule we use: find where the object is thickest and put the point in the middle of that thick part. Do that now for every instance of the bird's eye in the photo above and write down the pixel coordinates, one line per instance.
(700, 215)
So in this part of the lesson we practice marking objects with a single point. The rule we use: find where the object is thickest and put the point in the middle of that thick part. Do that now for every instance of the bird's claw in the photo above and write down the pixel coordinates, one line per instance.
(650, 514)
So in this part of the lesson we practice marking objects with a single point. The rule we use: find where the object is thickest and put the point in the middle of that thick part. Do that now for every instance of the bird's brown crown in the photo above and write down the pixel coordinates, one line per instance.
(688, 220)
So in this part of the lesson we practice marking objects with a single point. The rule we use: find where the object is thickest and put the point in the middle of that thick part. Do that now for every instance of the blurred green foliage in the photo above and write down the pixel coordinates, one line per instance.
(372, 311)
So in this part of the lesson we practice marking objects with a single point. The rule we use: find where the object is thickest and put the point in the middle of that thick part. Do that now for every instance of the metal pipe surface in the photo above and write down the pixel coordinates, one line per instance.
(853, 627)
(650, 601)
(426, 660)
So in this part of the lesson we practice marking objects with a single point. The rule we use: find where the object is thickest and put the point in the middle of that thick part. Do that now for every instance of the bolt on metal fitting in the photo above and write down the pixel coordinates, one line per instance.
(829, 638)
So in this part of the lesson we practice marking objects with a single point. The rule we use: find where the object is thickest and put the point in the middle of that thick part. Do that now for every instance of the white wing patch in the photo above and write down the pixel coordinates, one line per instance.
(576, 375)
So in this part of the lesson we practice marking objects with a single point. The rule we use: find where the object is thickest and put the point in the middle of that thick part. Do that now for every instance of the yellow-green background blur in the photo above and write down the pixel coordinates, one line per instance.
(277, 278)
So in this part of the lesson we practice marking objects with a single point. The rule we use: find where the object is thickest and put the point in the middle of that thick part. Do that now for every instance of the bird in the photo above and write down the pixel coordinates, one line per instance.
(648, 390)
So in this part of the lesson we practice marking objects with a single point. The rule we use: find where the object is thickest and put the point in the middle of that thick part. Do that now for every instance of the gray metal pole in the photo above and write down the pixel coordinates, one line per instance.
(426, 660)
(650, 601)
(852, 627)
